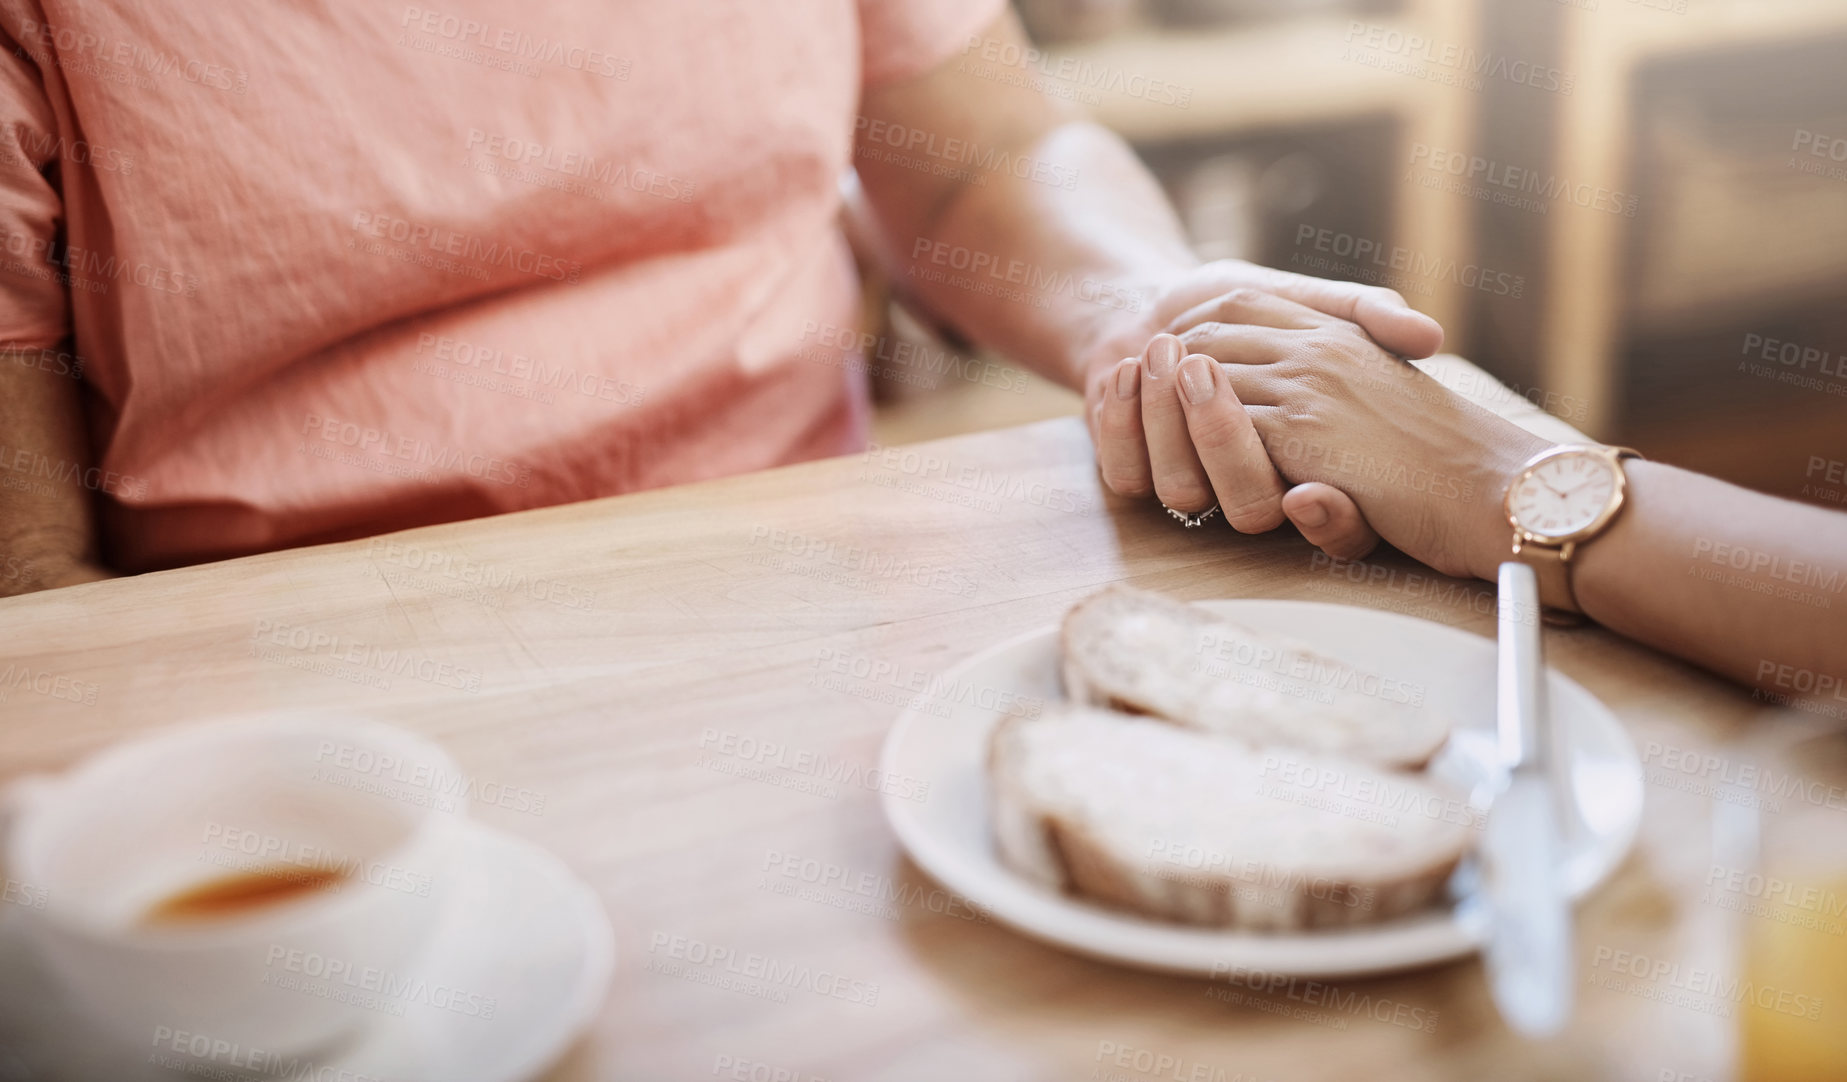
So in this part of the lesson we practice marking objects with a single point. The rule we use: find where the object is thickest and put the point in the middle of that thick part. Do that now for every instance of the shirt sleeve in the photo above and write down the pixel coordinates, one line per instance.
(34, 305)
(900, 39)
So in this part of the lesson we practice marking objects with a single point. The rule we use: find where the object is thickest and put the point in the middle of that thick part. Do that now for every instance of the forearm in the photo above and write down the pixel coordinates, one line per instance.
(1745, 584)
(47, 521)
(1049, 274)
(1040, 235)
(1748, 585)
(1032, 232)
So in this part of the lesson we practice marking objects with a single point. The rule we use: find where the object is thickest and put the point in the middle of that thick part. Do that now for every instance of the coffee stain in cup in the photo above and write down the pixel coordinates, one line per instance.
(238, 895)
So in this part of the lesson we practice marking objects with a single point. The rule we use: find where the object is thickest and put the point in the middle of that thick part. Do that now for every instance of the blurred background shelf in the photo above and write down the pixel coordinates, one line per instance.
(1292, 72)
(1658, 28)
(1699, 109)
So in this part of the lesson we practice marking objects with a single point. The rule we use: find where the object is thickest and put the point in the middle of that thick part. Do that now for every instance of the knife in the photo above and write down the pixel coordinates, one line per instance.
(1528, 950)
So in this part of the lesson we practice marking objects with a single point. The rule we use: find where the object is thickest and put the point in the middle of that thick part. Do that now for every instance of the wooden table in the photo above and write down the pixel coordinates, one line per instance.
(631, 653)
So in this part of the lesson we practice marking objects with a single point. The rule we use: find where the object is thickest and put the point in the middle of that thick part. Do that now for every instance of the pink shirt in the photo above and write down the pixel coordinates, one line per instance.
(344, 268)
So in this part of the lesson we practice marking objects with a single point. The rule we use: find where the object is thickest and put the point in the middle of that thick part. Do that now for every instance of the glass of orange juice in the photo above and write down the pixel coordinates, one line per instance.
(1790, 895)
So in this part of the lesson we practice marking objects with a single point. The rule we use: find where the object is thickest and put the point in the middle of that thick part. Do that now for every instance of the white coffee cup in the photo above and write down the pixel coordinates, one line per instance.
(284, 795)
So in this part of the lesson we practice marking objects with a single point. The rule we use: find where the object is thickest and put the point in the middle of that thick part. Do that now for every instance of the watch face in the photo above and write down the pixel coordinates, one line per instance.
(1562, 496)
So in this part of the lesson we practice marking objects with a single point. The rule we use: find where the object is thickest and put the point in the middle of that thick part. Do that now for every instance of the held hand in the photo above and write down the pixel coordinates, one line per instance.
(1215, 290)
(1190, 442)
(1425, 466)
(1145, 429)
(1222, 290)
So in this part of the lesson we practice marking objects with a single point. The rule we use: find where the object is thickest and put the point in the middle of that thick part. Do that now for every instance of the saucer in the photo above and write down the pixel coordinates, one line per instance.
(527, 939)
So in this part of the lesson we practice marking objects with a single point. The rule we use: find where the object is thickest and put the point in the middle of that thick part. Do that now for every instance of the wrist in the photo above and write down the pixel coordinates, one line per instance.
(44, 557)
(1492, 534)
(23, 575)
(48, 544)
(1116, 332)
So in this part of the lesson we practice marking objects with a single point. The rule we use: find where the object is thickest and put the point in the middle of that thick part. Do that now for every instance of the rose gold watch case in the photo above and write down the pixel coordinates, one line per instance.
(1611, 456)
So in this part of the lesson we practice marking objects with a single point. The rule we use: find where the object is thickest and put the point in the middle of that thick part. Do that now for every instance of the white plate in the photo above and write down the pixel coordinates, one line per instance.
(948, 834)
(521, 929)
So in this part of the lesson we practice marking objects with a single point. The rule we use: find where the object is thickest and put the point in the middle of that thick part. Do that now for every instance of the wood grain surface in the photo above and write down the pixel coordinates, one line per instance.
(613, 658)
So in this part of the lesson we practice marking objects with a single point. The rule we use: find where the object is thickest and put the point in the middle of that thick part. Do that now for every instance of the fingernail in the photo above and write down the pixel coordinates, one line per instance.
(1128, 379)
(1163, 355)
(1312, 516)
(1196, 377)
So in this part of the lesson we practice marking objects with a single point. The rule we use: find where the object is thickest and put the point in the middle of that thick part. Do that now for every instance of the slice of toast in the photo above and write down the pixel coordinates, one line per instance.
(1174, 824)
(1143, 653)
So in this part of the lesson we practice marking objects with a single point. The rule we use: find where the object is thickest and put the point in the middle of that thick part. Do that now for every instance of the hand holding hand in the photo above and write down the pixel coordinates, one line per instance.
(1425, 466)
(1151, 437)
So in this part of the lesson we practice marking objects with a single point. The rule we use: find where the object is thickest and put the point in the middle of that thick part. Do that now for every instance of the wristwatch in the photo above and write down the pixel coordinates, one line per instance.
(1561, 500)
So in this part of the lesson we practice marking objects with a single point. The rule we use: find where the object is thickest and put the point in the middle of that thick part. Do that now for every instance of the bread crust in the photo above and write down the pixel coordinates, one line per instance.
(1056, 848)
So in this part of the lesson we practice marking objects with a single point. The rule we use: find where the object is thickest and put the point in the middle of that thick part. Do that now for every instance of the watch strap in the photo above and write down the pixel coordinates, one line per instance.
(1551, 566)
